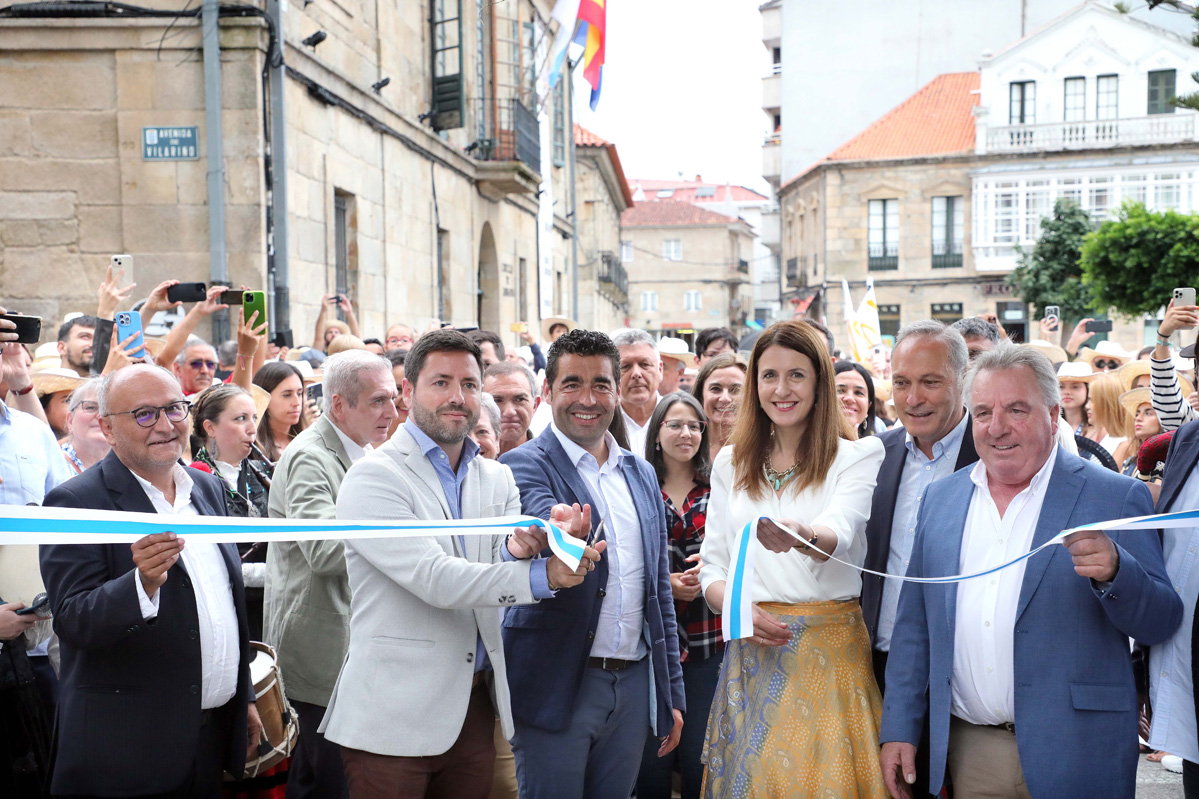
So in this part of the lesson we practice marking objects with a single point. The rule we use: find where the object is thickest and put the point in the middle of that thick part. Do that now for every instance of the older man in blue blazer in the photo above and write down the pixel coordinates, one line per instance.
(593, 670)
(1024, 674)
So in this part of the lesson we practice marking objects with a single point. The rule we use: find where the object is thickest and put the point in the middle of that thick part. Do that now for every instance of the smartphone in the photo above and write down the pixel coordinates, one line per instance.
(283, 338)
(231, 297)
(123, 262)
(39, 602)
(128, 323)
(187, 292)
(254, 301)
(519, 327)
(1099, 326)
(29, 328)
(1053, 315)
(1184, 296)
(316, 393)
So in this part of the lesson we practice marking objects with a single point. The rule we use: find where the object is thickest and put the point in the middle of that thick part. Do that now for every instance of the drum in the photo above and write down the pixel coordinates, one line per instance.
(280, 725)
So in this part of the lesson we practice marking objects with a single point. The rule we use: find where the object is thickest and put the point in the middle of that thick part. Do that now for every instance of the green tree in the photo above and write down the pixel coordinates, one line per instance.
(1133, 262)
(1049, 273)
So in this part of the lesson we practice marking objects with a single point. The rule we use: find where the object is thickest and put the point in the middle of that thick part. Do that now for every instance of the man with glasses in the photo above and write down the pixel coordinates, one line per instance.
(196, 366)
(154, 638)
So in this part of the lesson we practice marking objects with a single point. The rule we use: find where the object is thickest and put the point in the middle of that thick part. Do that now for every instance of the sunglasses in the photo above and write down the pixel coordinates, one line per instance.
(148, 416)
(1103, 363)
(198, 365)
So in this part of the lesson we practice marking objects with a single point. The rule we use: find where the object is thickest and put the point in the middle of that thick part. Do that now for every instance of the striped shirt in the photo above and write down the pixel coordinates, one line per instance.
(1172, 409)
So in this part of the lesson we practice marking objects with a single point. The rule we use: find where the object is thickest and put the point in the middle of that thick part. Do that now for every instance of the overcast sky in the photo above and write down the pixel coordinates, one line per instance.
(682, 89)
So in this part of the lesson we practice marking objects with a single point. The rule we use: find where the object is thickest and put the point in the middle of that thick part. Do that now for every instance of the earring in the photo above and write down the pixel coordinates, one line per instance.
(658, 446)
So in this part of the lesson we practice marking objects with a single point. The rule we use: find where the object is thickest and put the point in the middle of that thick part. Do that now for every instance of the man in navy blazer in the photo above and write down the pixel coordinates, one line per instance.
(1172, 672)
(1024, 675)
(582, 667)
(155, 694)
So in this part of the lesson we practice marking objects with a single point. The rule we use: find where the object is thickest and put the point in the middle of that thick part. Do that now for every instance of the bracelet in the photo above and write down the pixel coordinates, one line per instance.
(22, 392)
(1163, 340)
(239, 357)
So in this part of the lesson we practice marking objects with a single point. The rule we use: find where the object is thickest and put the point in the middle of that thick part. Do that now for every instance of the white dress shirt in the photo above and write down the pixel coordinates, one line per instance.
(983, 649)
(220, 651)
(354, 452)
(918, 474)
(636, 432)
(841, 503)
(619, 633)
(1170, 688)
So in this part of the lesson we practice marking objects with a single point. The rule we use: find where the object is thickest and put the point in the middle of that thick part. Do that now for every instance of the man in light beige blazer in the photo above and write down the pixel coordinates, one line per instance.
(415, 703)
(307, 605)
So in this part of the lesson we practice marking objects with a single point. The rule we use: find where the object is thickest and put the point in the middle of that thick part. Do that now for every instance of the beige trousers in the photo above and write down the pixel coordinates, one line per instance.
(984, 762)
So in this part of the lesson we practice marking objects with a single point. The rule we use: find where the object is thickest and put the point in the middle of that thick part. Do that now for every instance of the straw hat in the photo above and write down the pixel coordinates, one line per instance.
(1105, 349)
(1075, 372)
(1053, 352)
(52, 381)
(46, 357)
(154, 346)
(1129, 372)
(550, 322)
(1131, 400)
(262, 398)
(670, 347)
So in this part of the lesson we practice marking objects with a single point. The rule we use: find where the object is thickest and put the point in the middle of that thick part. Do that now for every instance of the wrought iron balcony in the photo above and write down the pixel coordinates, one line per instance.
(883, 257)
(1093, 134)
(613, 276)
(946, 255)
(510, 151)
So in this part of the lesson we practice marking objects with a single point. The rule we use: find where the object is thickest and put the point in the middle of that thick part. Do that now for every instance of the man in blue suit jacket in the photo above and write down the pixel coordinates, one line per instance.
(583, 665)
(1024, 675)
(147, 705)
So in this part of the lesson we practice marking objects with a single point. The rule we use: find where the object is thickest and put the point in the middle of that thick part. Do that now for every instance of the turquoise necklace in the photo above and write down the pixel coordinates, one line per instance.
(778, 479)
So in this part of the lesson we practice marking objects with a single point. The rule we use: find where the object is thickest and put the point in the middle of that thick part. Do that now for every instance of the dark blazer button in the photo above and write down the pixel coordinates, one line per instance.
(470, 657)
(193, 634)
(590, 636)
(195, 689)
(132, 628)
(602, 593)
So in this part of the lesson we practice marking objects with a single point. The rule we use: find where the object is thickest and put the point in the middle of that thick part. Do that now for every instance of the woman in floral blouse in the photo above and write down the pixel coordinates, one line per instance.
(677, 446)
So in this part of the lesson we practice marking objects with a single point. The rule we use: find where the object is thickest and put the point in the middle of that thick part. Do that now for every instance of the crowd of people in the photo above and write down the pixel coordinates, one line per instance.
(486, 666)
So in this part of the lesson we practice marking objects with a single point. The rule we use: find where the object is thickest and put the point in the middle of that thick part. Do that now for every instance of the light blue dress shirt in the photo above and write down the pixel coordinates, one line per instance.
(31, 462)
(919, 472)
(451, 486)
(620, 632)
(1170, 688)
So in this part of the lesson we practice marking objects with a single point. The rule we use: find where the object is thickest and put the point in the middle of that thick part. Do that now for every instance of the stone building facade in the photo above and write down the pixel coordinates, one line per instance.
(603, 194)
(689, 268)
(420, 199)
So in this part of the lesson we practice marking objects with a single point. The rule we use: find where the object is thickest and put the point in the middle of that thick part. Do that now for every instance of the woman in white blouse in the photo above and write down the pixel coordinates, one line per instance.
(797, 709)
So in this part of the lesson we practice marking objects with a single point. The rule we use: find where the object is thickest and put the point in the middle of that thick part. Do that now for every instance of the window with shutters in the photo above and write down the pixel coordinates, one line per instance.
(693, 301)
(448, 89)
(672, 250)
(649, 300)
(626, 252)
(1161, 90)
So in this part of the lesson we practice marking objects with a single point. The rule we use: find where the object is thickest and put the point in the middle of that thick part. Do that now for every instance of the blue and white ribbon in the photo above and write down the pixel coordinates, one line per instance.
(29, 524)
(737, 619)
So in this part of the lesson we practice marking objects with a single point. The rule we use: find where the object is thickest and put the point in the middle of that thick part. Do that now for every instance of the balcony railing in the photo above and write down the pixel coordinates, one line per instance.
(613, 274)
(792, 272)
(1092, 134)
(883, 257)
(946, 255)
(513, 133)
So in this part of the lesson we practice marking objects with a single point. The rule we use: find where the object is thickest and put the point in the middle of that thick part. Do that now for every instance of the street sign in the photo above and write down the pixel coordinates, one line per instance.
(166, 143)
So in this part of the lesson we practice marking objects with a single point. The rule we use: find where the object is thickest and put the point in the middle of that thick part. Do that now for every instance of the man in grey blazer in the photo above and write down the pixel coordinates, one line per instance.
(414, 705)
(307, 606)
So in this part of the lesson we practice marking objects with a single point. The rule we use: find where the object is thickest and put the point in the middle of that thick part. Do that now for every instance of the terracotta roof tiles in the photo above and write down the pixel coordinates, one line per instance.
(672, 213)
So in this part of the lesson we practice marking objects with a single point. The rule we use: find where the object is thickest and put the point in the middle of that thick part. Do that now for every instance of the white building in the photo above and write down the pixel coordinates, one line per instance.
(1080, 109)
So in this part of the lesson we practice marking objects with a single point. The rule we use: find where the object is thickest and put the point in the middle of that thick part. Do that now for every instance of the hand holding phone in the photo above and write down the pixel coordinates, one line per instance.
(39, 608)
(129, 323)
(28, 328)
(1053, 316)
(252, 301)
(187, 292)
(1099, 326)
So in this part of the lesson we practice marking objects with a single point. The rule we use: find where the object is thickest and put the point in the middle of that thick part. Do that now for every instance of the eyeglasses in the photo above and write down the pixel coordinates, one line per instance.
(148, 415)
(198, 365)
(88, 407)
(1103, 363)
(676, 426)
(400, 340)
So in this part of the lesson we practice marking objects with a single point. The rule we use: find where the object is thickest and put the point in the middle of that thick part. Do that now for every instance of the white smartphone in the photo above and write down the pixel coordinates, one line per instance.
(126, 262)
(1184, 296)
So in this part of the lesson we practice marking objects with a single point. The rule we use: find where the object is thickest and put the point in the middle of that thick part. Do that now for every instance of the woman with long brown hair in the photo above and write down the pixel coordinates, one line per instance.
(718, 389)
(284, 418)
(797, 710)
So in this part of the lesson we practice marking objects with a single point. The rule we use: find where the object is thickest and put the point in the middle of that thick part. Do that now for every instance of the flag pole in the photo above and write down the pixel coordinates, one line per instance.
(574, 216)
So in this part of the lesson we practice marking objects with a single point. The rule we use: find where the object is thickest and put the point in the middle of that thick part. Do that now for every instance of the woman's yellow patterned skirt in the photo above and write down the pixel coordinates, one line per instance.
(799, 720)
